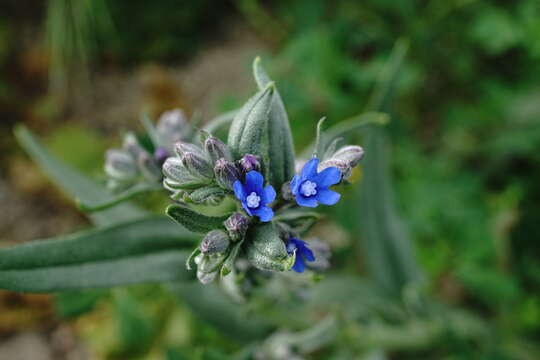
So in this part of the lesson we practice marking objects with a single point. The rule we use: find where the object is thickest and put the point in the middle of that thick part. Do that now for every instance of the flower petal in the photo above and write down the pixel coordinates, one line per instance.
(239, 190)
(307, 202)
(295, 184)
(310, 169)
(254, 181)
(299, 265)
(264, 213)
(327, 197)
(307, 253)
(248, 210)
(327, 177)
(268, 194)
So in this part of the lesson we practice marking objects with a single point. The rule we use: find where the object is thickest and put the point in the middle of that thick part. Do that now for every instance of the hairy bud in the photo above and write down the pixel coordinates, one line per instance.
(216, 149)
(149, 167)
(197, 165)
(351, 154)
(172, 126)
(182, 148)
(120, 165)
(343, 167)
(216, 241)
(208, 266)
(236, 225)
(131, 145)
(226, 173)
(249, 162)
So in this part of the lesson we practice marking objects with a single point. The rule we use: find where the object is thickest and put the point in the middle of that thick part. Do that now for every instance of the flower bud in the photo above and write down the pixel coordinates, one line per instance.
(178, 177)
(131, 145)
(216, 149)
(172, 126)
(197, 165)
(120, 165)
(267, 251)
(236, 225)
(226, 173)
(216, 241)
(182, 148)
(208, 266)
(249, 162)
(148, 166)
(286, 192)
(343, 167)
(161, 154)
(351, 154)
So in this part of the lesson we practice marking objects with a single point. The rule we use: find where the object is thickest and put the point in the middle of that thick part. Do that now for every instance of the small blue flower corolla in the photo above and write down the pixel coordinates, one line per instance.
(303, 253)
(311, 187)
(254, 197)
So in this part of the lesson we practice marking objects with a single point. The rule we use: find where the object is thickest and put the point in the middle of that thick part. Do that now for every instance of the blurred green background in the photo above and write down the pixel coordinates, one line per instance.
(464, 141)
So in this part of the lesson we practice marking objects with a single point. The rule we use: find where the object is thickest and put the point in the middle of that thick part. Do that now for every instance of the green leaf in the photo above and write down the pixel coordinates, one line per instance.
(386, 241)
(206, 192)
(162, 266)
(280, 142)
(140, 251)
(116, 199)
(299, 220)
(220, 121)
(266, 250)
(193, 220)
(150, 129)
(248, 133)
(74, 183)
(211, 305)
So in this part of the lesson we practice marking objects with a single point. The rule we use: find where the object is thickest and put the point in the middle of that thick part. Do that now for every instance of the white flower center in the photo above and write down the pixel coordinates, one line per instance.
(253, 200)
(308, 188)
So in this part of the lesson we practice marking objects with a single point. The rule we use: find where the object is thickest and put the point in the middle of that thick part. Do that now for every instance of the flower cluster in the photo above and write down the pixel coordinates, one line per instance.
(262, 230)
(136, 163)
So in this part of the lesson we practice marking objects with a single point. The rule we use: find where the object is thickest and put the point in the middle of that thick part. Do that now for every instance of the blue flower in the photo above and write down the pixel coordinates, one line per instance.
(311, 187)
(303, 253)
(254, 197)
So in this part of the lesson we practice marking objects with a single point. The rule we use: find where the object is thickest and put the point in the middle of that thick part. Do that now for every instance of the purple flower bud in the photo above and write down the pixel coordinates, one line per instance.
(351, 154)
(216, 241)
(182, 147)
(248, 163)
(119, 164)
(226, 173)
(216, 149)
(161, 154)
(237, 225)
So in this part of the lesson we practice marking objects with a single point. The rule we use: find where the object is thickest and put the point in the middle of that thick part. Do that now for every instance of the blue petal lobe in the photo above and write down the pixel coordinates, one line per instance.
(268, 194)
(307, 202)
(327, 177)
(239, 190)
(327, 197)
(254, 181)
(307, 253)
(264, 213)
(310, 169)
(298, 264)
(248, 210)
(295, 184)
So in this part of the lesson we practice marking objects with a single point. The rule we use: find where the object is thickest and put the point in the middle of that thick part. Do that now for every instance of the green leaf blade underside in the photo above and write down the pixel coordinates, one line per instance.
(391, 261)
(280, 142)
(128, 239)
(73, 183)
(193, 220)
(157, 267)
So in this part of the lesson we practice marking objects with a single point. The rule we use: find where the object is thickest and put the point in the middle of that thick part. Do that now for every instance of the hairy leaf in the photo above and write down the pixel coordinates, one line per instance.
(193, 220)
(74, 183)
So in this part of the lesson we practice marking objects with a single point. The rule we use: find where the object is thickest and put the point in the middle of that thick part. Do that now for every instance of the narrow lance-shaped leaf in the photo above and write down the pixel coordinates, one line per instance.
(139, 251)
(74, 183)
(387, 245)
(116, 199)
(195, 221)
(280, 141)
